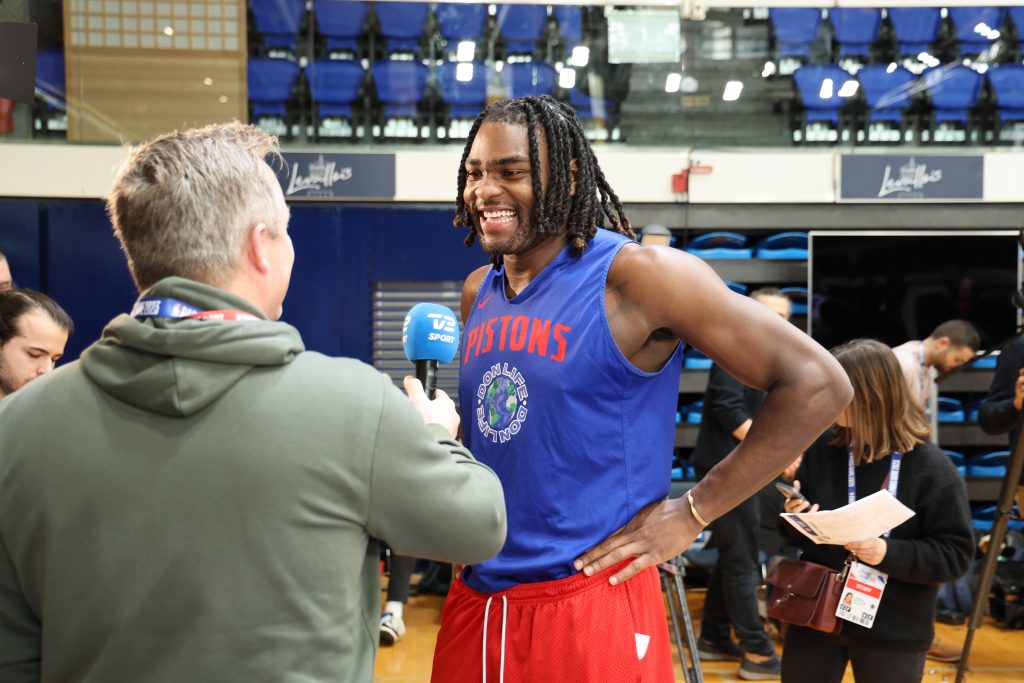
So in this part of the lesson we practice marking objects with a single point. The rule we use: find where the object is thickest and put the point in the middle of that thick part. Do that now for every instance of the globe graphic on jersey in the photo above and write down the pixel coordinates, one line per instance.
(502, 403)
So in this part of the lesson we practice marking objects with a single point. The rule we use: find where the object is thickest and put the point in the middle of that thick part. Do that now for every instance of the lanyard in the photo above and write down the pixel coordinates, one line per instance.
(172, 308)
(893, 478)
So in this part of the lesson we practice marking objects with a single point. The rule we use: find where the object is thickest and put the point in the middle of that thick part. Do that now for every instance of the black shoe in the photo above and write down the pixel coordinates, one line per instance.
(768, 670)
(726, 651)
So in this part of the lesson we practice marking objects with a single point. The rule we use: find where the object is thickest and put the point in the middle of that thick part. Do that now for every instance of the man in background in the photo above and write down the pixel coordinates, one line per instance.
(949, 346)
(208, 505)
(6, 281)
(731, 600)
(34, 330)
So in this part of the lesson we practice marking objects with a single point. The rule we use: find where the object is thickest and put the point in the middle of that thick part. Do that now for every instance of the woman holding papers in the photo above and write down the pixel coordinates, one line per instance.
(880, 442)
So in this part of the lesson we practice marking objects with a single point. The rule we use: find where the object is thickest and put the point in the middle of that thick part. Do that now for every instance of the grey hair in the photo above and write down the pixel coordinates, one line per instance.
(182, 203)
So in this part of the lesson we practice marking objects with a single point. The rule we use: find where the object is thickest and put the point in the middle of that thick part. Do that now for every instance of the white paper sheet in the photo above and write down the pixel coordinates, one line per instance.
(866, 518)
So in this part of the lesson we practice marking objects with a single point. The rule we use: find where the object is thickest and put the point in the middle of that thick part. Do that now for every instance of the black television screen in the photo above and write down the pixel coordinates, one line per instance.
(896, 286)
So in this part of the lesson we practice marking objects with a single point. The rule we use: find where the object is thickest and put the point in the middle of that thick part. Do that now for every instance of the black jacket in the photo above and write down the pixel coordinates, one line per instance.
(934, 546)
(727, 404)
(997, 414)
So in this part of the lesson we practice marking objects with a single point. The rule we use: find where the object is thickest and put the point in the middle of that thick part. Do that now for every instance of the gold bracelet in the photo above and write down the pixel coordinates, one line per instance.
(693, 510)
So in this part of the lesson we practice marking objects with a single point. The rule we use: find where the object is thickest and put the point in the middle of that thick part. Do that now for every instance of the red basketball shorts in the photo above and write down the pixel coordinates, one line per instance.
(577, 629)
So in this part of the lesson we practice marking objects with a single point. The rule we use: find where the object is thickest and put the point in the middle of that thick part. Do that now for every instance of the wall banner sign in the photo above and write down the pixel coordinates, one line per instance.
(893, 178)
(326, 176)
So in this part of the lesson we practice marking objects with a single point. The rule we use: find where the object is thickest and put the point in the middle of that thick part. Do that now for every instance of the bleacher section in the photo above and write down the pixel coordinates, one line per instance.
(855, 76)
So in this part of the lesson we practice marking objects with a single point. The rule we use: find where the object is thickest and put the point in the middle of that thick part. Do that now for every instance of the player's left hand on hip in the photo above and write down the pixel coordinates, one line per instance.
(870, 552)
(657, 533)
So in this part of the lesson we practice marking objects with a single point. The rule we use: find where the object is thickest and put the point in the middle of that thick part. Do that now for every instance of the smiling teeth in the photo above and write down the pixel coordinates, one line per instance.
(499, 214)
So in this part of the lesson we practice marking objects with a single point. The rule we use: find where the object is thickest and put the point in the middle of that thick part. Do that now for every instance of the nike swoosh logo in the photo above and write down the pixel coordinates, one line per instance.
(484, 302)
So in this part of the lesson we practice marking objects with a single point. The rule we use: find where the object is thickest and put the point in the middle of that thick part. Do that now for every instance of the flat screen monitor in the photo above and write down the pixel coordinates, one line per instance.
(899, 285)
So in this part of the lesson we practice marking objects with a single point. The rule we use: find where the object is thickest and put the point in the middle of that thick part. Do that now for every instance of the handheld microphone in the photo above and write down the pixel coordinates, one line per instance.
(430, 335)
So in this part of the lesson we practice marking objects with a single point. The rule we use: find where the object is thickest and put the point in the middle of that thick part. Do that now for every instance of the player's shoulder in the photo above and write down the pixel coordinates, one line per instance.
(636, 263)
(473, 281)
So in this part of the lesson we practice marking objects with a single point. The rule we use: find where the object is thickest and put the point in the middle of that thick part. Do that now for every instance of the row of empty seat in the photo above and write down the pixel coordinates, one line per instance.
(947, 95)
(348, 28)
(915, 30)
(453, 93)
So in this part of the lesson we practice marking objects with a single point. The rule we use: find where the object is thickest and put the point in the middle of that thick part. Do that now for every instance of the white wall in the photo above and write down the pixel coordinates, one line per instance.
(428, 175)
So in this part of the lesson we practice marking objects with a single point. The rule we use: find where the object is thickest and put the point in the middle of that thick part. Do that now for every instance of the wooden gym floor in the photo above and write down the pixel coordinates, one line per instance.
(996, 657)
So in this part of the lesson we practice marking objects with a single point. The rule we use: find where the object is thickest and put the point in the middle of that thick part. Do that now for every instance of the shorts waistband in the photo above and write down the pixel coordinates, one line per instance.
(559, 589)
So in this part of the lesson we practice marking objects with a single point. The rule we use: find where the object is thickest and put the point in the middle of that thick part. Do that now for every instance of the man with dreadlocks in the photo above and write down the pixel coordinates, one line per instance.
(568, 388)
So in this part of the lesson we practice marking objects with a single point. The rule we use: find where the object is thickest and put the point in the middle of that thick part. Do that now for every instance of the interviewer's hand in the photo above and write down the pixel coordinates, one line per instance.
(871, 551)
(657, 533)
(796, 504)
(440, 411)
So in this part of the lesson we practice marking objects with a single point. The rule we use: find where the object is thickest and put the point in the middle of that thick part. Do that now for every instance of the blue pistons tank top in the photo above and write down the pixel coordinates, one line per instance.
(580, 438)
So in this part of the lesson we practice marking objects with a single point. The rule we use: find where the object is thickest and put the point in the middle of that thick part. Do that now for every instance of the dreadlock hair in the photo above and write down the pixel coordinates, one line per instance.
(594, 199)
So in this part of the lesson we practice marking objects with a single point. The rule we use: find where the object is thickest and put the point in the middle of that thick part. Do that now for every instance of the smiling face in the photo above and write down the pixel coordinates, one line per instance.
(499, 192)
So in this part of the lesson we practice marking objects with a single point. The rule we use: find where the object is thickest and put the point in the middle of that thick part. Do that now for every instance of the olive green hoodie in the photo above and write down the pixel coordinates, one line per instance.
(198, 501)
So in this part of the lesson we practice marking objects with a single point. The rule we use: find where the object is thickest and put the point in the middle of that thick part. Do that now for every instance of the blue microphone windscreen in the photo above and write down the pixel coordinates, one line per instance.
(430, 332)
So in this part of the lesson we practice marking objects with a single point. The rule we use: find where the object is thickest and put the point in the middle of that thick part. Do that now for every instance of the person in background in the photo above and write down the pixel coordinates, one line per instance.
(208, 505)
(949, 346)
(392, 618)
(880, 442)
(731, 599)
(6, 280)
(1001, 410)
(34, 330)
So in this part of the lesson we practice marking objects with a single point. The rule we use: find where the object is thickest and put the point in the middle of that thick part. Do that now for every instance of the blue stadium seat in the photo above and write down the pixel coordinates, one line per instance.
(783, 246)
(600, 117)
(737, 287)
(400, 87)
(720, 244)
(271, 82)
(972, 408)
(986, 363)
(402, 24)
(795, 30)
(341, 23)
(1007, 81)
(950, 410)
(522, 26)
(695, 360)
(334, 86)
(810, 82)
(461, 21)
(695, 412)
(570, 24)
(856, 29)
(916, 28)
(278, 21)
(968, 20)
(528, 78)
(50, 106)
(465, 98)
(1017, 16)
(954, 91)
(989, 465)
(887, 92)
(797, 299)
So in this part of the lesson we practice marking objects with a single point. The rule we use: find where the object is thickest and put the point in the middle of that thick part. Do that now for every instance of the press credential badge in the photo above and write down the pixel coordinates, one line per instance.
(862, 594)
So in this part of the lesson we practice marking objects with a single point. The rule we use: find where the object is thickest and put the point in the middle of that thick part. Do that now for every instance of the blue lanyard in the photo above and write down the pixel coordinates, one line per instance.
(851, 478)
(172, 308)
(163, 308)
